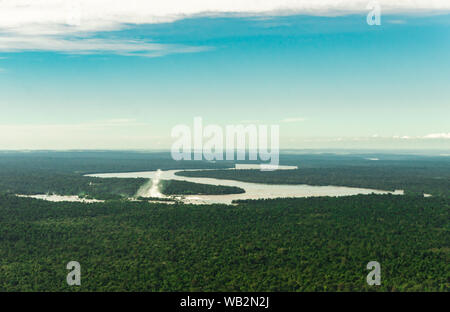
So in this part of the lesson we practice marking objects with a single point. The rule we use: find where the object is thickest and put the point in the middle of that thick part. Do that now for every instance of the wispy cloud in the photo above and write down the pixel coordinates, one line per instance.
(291, 120)
(77, 45)
(396, 21)
(442, 135)
(68, 26)
(375, 138)
(95, 15)
(437, 136)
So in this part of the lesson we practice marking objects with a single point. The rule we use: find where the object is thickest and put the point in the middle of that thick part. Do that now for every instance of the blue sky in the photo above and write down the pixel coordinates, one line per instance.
(328, 81)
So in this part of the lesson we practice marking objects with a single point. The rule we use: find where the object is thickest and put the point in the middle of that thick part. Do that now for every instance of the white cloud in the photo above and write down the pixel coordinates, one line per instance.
(91, 46)
(437, 136)
(291, 120)
(375, 138)
(97, 15)
(428, 136)
(45, 24)
(396, 21)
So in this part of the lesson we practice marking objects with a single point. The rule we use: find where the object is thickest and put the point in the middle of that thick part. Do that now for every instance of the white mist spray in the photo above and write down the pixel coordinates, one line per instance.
(151, 188)
(154, 190)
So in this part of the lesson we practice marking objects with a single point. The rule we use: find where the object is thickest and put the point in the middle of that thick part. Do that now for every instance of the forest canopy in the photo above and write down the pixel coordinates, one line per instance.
(302, 244)
(305, 244)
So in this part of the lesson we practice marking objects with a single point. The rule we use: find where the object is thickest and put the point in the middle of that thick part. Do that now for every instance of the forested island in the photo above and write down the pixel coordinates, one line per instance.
(175, 187)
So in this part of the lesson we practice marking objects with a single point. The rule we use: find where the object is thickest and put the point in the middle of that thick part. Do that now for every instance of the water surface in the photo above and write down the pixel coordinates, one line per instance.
(252, 190)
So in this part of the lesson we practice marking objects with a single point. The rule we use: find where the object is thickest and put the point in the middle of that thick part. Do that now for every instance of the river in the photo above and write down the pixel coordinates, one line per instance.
(252, 190)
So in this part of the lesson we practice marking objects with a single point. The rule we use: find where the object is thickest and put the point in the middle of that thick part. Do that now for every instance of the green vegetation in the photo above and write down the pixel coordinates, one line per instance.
(85, 162)
(155, 199)
(313, 244)
(175, 187)
(304, 244)
(43, 182)
(62, 173)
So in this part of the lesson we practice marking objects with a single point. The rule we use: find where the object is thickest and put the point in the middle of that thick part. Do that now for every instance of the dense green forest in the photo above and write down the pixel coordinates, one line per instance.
(413, 180)
(175, 187)
(157, 199)
(85, 162)
(304, 244)
(62, 172)
(309, 244)
(43, 182)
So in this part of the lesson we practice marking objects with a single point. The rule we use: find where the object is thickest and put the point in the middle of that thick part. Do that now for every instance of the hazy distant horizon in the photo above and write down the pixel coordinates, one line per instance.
(306, 151)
